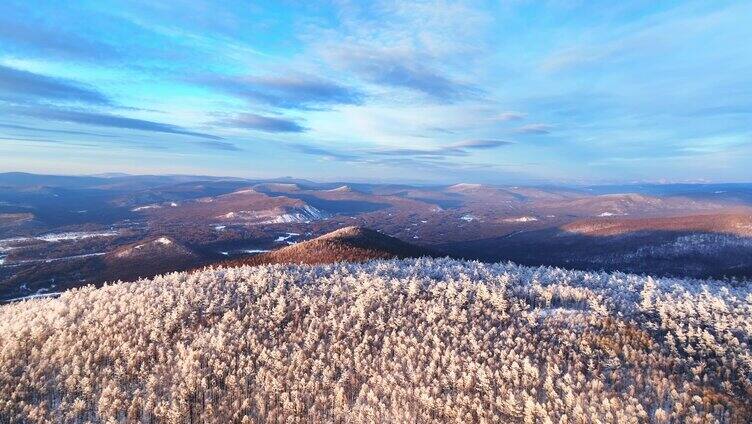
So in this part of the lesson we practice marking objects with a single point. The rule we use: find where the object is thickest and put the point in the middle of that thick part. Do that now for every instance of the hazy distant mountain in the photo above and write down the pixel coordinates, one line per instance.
(657, 229)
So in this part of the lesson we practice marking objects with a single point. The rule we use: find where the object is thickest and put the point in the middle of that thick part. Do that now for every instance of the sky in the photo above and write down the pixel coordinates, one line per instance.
(499, 92)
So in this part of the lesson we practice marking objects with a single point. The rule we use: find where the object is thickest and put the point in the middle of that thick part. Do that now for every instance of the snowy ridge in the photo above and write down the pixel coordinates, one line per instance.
(304, 214)
(9, 244)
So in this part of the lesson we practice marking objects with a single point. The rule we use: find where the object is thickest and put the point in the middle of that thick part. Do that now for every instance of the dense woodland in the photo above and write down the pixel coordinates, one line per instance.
(422, 340)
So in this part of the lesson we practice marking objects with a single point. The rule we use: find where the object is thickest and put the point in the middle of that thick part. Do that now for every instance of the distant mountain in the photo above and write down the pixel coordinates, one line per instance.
(726, 223)
(353, 244)
(681, 230)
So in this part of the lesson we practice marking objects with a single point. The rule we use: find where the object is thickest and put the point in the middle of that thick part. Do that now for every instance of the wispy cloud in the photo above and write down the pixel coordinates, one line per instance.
(388, 83)
(262, 123)
(106, 120)
(509, 116)
(462, 148)
(219, 145)
(295, 91)
(534, 129)
(399, 69)
(16, 84)
(38, 37)
(723, 110)
(54, 131)
(323, 152)
(481, 144)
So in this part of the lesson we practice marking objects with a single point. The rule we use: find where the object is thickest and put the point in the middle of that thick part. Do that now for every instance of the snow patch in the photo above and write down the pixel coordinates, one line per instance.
(142, 208)
(522, 219)
(62, 258)
(254, 251)
(75, 236)
(35, 296)
(163, 240)
(286, 237)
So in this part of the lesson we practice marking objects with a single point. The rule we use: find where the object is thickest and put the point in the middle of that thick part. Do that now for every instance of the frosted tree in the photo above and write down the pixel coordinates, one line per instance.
(423, 340)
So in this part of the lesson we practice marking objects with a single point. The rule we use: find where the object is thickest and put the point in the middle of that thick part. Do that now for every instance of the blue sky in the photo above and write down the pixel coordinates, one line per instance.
(491, 91)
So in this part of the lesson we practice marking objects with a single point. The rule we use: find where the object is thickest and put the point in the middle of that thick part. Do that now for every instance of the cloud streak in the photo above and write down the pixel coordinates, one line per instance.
(107, 120)
(263, 123)
(37, 37)
(16, 84)
(287, 92)
(509, 116)
(400, 70)
(462, 148)
(219, 145)
(323, 152)
(534, 129)
(54, 131)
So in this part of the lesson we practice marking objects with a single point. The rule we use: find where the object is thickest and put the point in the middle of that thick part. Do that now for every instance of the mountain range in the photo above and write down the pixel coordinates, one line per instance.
(58, 232)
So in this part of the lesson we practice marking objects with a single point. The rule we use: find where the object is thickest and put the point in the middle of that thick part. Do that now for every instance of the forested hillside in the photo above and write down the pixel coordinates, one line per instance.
(420, 340)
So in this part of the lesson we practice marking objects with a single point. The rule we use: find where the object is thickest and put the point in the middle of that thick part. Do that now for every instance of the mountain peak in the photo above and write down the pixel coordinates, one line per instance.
(351, 244)
(349, 232)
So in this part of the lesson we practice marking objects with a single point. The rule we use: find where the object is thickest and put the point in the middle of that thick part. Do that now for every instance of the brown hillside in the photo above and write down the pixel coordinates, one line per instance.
(351, 244)
(735, 224)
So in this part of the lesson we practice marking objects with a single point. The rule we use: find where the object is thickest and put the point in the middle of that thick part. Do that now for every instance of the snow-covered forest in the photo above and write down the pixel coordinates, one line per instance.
(423, 340)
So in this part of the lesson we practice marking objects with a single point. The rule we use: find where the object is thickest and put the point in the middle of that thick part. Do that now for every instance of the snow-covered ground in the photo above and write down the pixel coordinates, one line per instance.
(145, 207)
(76, 235)
(8, 243)
(286, 237)
(36, 296)
(161, 240)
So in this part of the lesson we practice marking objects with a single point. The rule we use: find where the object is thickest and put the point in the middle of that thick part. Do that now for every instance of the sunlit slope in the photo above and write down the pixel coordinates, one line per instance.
(349, 244)
(421, 340)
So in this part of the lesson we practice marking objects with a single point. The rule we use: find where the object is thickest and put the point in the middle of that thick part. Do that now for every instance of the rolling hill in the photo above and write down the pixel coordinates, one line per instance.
(692, 230)
(352, 244)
